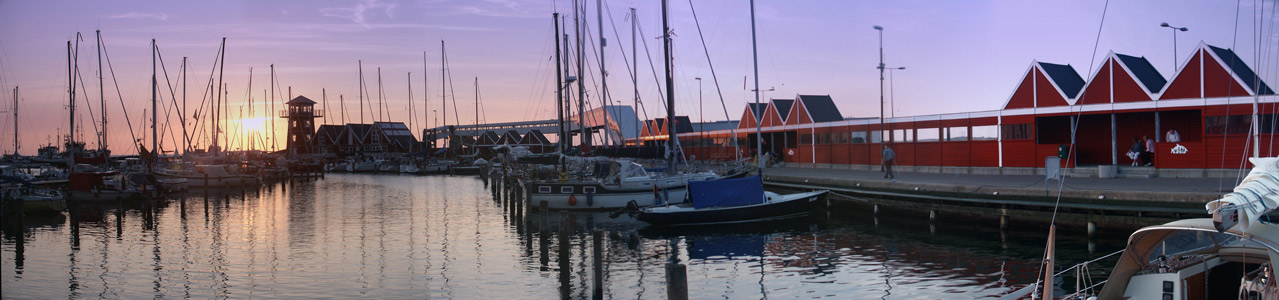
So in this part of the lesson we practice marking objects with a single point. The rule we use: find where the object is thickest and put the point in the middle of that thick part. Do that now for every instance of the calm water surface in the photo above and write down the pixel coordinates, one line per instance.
(387, 236)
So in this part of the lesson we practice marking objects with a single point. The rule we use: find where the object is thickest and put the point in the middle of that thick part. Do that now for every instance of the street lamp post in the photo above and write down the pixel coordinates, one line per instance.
(700, 110)
(892, 98)
(1175, 29)
(881, 80)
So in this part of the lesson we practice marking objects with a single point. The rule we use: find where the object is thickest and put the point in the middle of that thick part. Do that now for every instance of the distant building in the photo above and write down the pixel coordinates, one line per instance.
(352, 139)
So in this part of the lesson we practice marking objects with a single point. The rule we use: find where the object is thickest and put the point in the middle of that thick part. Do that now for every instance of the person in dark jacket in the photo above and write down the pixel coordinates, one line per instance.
(888, 157)
(1136, 151)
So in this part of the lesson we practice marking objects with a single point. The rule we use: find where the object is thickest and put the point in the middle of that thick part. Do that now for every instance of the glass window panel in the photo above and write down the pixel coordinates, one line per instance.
(956, 134)
(985, 133)
(859, 137)
(928, 134)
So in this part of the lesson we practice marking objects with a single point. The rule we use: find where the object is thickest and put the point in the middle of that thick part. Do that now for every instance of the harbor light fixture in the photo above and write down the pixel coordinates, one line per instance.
(1175, 29)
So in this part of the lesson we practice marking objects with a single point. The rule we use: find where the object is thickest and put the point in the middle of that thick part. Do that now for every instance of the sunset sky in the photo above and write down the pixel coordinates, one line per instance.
(959, 55)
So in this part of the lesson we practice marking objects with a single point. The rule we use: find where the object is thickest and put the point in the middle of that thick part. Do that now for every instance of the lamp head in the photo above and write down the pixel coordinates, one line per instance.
(1183, 29)
(877, 27)
(1164, 24)
(570, 79)
(697, 78)
(901, 68)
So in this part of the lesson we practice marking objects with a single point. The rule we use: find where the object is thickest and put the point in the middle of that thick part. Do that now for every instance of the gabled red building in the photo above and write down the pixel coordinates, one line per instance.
(1211, 101)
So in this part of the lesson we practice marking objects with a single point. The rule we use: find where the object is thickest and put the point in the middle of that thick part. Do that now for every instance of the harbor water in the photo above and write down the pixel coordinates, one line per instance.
(401, 237)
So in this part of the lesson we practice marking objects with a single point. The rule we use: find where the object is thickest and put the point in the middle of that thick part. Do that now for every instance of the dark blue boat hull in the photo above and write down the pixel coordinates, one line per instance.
(737, 214)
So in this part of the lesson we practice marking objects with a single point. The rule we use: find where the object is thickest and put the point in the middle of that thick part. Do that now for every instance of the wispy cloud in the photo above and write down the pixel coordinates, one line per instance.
(487, 8)
(141, 15)
(361, 11)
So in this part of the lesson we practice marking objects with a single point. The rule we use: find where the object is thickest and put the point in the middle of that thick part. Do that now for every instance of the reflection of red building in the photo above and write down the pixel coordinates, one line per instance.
(1209, 101)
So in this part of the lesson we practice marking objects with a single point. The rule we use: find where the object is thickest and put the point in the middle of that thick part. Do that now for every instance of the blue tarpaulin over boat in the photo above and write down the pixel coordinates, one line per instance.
(726, 192)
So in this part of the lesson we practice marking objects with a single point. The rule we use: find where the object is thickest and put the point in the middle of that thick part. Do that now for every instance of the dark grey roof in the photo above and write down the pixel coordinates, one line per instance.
(821, 108)
(535, 137)
(1146, 73)
(332, 132)
(300, 100)
(1242, 70)
(1065, 77)
(393, 128)
(512, 136)
(683, 125)
(783, 106)
(489, 138)
(757, 109)
(717, 125)
(403, 141)
(361, 131)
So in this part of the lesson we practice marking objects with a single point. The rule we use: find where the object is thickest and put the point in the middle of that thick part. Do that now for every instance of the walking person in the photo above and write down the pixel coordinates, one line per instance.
(888, 157)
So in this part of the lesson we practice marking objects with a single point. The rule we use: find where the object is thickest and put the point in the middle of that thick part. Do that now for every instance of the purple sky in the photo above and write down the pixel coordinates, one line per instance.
(960, 55)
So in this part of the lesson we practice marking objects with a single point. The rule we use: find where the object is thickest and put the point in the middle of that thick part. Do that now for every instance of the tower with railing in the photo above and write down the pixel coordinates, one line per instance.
(301, 114)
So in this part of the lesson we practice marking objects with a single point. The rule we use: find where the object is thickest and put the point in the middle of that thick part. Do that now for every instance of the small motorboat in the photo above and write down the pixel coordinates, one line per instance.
(36, 200)
(730, 201)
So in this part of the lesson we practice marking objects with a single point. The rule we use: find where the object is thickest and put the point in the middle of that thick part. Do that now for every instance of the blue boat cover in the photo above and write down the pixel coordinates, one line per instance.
(726, 192)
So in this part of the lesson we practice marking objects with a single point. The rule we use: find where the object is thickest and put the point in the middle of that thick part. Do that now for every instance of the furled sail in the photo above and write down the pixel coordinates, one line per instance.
(1256, 196)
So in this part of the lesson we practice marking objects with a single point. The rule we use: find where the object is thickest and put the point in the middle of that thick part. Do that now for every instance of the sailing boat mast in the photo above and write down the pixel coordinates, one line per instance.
(443, 95)
(102, 102)
(15, 121)
(71, 107)
(216, 114)
(635, 69)
(559, 85)
(599, 11)
(361, 67)
(251, 137)
(379, 96)
(426, 102)
(759, 136)
(585, 140)
(670, 91)
(186, 144)
(155, 138)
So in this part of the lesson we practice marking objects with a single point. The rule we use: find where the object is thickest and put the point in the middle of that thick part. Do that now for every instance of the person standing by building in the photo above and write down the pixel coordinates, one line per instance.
(1173, 136)
(1150, 151)
(888, 157)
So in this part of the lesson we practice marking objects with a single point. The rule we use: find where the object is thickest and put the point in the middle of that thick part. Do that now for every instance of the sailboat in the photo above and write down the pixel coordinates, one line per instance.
(614, 184)
(727, 201)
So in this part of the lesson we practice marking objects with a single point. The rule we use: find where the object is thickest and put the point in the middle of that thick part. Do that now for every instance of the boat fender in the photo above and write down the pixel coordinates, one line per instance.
(572, 199)
(590, 199)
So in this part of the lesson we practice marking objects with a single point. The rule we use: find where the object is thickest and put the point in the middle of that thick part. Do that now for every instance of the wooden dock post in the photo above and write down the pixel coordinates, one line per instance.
(544, 237)
(565, 249)
(676, 281)
(597, 243)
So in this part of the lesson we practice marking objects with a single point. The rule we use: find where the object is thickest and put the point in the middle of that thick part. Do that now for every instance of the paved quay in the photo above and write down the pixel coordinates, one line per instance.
(1112, 202)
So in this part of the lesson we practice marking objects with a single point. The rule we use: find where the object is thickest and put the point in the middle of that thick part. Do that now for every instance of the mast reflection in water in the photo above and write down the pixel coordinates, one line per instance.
(386, 236)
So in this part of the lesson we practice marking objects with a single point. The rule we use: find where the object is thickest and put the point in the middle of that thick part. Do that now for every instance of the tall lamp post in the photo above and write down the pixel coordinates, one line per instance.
(1175, 29)
(892, 98)
(881, 80)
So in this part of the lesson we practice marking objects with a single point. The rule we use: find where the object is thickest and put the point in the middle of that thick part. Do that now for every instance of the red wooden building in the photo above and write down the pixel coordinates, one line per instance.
(1212, 101)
